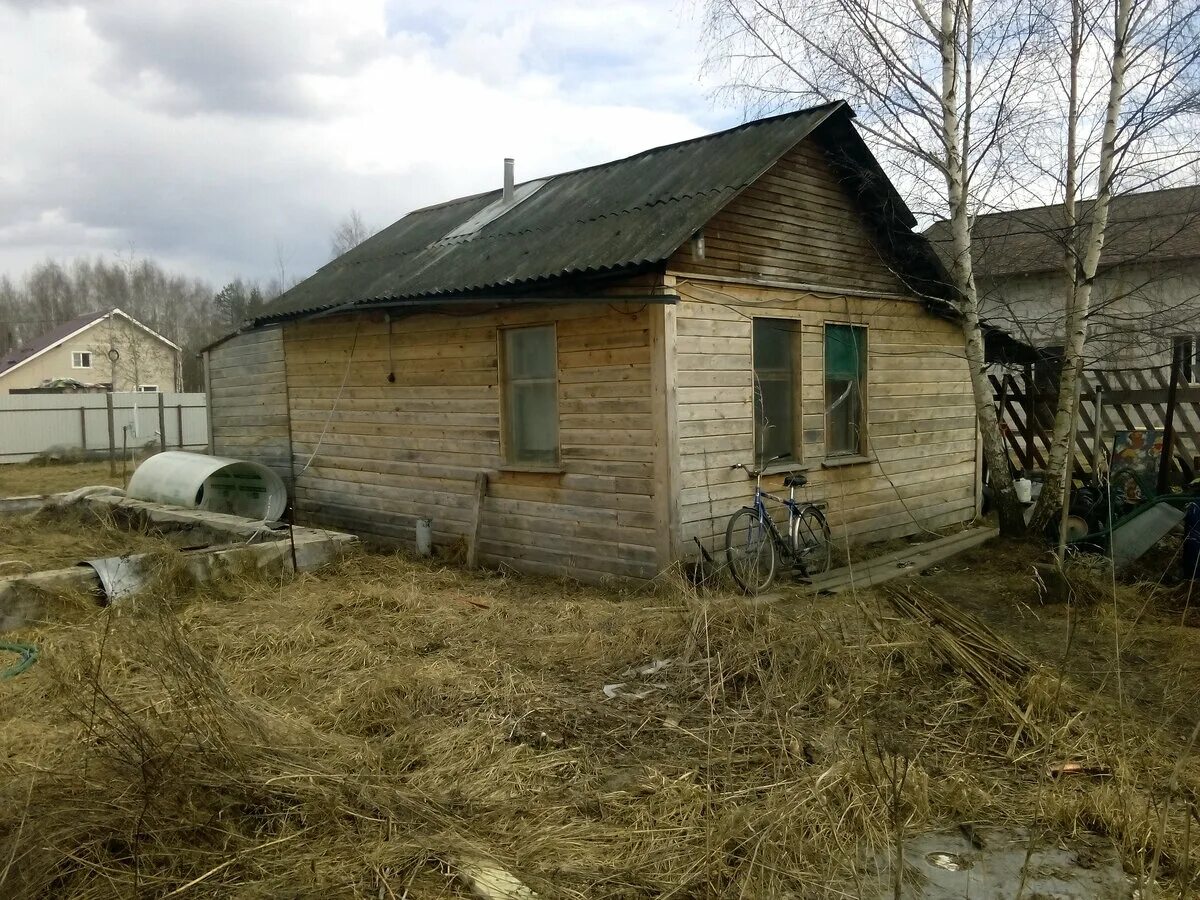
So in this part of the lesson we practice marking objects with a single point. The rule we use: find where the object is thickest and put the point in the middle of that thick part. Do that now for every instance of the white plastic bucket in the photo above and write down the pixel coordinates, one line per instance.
(1024, 490)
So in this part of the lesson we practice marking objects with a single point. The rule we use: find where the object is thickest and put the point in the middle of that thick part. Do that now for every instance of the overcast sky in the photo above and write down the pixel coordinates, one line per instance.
(216, 135)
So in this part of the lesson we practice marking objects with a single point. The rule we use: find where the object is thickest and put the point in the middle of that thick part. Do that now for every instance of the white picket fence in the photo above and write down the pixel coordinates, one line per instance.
(99, 424)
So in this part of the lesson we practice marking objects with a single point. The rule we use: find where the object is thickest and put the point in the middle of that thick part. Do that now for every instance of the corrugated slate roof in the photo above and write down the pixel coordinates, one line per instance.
(48, 339)
(626, 213)
(1154, 226)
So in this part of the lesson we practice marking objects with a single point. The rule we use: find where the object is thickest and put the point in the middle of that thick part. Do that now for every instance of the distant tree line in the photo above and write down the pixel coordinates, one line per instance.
(184, 309)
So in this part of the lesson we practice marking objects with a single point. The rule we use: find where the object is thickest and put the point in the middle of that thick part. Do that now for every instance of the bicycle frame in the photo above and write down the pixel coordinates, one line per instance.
(764, 516)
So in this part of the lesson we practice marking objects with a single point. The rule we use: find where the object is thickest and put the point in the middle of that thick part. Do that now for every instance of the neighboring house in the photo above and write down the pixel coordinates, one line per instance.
(109, 349)
(1147, 289)
(605, 344)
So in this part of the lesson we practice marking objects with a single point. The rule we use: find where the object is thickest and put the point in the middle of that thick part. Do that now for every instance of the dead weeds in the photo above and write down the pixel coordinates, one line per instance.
(362, 731)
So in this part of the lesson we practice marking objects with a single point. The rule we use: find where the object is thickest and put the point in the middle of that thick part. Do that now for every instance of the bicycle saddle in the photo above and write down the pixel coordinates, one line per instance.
(796, 479)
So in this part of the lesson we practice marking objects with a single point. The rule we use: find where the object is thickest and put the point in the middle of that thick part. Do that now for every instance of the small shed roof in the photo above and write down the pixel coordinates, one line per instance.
(1154, 226)
(628, 213)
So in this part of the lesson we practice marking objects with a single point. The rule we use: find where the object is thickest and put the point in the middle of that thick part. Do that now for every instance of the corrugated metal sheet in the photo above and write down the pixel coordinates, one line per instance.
(625, 213)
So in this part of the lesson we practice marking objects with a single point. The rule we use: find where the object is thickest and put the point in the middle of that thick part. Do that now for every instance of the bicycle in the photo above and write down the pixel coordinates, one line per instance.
(753, 543)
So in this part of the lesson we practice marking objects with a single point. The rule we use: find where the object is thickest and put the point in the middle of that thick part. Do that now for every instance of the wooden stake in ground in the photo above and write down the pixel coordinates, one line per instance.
(481, 485)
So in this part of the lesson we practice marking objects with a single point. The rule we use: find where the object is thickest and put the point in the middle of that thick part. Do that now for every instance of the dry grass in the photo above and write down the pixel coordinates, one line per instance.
(25, 479)
(62, 537)
(353, 733)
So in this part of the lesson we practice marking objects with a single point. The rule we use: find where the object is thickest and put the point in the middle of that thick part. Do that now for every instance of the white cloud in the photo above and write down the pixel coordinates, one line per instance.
(208, 133)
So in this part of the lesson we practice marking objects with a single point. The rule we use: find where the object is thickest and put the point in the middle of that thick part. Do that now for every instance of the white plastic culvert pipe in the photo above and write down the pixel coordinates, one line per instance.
(212, 483)
(424, 537)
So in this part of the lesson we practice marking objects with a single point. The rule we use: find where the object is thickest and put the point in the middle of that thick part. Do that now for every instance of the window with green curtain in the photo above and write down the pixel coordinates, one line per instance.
(775, 392)
(845, 387)
(530, 406)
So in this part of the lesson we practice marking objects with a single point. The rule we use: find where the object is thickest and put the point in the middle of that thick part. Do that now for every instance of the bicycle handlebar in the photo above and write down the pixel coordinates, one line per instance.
(755, 473)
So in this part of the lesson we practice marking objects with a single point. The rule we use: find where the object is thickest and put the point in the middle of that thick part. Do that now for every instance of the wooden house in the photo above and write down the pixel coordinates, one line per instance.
(604, 344)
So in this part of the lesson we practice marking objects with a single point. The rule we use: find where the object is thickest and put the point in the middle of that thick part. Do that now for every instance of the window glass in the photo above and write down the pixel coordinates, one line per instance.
(845, 383)
(775, 390)
(530, 405)
(81, 360)
(1187, 348)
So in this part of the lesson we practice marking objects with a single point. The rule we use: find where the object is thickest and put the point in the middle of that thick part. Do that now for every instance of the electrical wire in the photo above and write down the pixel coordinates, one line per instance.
(336, 401)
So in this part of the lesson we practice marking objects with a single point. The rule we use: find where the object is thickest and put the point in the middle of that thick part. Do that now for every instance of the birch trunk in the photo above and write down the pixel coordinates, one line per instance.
(1081, 274)
(962, 274)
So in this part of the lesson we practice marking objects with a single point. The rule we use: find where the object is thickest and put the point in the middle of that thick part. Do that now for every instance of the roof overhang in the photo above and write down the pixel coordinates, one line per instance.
(478, 305)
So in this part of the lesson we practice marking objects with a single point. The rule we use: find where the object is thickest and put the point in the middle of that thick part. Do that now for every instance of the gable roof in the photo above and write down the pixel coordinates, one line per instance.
(619, 215)
(59, 334)
(1154, 226)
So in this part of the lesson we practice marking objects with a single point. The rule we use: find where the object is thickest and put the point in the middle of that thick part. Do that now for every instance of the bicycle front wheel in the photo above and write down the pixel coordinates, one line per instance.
(812, 542)
(750, 551)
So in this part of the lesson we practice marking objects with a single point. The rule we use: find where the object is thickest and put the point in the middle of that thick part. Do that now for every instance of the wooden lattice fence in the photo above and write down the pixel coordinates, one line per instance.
(1128, 400)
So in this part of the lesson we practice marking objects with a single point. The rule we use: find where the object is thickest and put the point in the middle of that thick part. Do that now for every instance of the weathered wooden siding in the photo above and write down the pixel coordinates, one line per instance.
(393, 452)
(796, 223)
(921, 420)
(248, 399)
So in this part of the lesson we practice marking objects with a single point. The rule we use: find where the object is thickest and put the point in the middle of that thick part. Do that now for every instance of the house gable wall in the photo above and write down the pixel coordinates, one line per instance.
(796, 223)
(921, 433)
(156, 362)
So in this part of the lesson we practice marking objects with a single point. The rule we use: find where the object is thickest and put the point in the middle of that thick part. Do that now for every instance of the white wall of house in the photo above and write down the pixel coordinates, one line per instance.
(1137, 311)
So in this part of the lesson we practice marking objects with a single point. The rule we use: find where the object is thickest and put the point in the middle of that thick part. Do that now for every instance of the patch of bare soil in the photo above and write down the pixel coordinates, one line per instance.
(390, 728)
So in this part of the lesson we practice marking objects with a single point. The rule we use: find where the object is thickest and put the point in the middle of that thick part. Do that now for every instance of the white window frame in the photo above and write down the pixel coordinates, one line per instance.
(80, 355)
(506, 383)
(148, 388)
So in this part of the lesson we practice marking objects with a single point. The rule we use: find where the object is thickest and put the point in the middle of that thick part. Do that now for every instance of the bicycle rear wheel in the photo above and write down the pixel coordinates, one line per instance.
(812, 542)
(750, 550)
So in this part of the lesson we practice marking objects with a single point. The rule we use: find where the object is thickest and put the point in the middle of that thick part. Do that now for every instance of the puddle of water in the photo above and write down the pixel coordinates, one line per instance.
(951, 862)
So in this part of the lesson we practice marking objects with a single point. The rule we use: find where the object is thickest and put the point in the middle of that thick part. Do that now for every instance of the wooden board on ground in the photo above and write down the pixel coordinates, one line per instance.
(907, 562)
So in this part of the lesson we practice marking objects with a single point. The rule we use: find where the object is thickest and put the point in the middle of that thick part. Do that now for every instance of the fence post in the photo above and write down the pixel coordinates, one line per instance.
(112, 436)
(1030, 412)
(1168, 450)
(162, 422)
(83, 431)
(179, 420)
(1098, 432)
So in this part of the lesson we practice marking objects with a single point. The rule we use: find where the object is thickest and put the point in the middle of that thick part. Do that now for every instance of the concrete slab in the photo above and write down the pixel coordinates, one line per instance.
(235, 545)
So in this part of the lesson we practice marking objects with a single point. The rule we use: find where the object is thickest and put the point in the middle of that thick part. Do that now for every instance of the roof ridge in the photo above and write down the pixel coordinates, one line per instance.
(752, 123)
(479, 237)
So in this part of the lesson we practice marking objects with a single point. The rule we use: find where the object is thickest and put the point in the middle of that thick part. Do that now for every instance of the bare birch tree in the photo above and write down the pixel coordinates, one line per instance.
(979, 104)
(940, 89)
(1120, 132)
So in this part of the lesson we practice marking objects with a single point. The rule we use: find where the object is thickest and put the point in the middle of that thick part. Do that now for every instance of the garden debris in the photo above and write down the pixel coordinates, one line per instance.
(488, 880)
(640, 691)
(1058, 770)
(28, 656)
(998, 668)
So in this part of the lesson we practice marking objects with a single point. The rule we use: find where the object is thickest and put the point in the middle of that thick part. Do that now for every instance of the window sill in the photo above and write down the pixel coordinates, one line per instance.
(834, 462)
(780, 468)
(517, 467)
